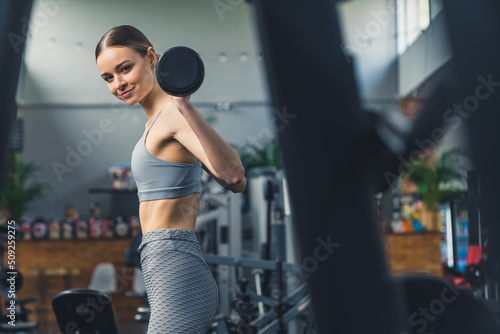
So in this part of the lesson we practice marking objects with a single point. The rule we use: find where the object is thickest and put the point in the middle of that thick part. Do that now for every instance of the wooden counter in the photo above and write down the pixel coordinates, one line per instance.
(51, 266)
(414, 253)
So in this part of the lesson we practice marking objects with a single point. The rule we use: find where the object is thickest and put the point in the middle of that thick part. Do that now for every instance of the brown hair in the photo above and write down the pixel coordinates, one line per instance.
(124, 35)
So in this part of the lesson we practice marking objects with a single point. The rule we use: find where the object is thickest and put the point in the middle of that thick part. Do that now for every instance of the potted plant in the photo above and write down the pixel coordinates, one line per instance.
(265, 154)
(433, 179)
(259, 159)
(19, 186)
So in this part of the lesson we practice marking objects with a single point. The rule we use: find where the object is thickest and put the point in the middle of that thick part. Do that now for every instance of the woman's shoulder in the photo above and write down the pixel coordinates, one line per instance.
(172, 119)
(168, 119)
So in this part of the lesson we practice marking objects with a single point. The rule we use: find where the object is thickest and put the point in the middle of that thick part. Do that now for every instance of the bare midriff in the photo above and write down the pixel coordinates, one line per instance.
(174, 213)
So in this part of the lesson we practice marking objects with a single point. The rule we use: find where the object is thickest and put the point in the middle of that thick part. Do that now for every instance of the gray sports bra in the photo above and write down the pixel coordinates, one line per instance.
(159, 179)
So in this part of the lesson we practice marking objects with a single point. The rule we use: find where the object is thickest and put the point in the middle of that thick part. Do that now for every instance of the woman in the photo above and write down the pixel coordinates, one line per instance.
(166, 163)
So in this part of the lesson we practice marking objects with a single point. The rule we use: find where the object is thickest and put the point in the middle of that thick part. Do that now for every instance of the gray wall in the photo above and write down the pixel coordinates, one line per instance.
(72, 163)
(369, 29)
(428, 54)
(422, 66)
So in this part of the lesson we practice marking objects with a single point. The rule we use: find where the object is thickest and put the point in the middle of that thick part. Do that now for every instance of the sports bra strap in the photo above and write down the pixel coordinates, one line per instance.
(160, 179)
(153, 122)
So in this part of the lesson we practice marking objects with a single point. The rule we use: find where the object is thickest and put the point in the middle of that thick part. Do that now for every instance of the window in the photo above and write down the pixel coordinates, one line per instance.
(414, 17)
(435, 7)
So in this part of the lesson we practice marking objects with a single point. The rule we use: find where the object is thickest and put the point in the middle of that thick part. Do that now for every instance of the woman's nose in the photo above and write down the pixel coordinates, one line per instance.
(120, 84)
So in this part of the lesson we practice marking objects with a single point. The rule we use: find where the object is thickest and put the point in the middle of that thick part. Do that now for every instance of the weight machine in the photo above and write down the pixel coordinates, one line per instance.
(280, 293)
(222, 226)
(256, 313)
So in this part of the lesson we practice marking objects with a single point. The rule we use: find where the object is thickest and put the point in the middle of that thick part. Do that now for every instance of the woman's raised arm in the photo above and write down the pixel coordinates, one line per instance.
(194, 133)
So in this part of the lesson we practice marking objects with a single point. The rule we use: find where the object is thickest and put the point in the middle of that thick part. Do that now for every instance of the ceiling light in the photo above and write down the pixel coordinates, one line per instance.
(243, 57)
(223, 106)
(222, 58)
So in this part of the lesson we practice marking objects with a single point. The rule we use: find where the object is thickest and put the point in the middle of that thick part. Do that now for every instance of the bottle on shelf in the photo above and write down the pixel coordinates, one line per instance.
(67, 229)
(54, 225)
(122, 227)
(82, 229)
(39, 229)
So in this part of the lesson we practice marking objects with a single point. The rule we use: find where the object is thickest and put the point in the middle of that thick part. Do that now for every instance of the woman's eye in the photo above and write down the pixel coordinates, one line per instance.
(126, 68)
(108, 78)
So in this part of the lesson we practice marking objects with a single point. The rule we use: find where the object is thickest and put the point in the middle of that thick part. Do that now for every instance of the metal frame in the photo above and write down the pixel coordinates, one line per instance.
(268, 322)
(229, 238)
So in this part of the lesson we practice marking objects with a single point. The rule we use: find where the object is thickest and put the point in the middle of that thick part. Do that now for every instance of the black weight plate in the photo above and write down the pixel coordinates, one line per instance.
(180, 71)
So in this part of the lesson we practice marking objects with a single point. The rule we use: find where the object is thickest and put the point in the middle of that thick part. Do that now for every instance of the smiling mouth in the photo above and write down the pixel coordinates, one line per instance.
(127, 93)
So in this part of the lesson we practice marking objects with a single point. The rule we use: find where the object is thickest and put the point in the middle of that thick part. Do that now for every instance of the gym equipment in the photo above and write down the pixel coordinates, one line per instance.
(447, 307)
(475, 275)
(13, 278)
(180, 71)
(132, 256)
(224, 235)
(275, 313)
(133, 259)
(12, 42)
(84, 311)
(139, 291)
(352, 291)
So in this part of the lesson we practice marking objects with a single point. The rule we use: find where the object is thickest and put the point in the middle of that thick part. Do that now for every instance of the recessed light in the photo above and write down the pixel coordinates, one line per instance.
(243, 57)
(222, 57)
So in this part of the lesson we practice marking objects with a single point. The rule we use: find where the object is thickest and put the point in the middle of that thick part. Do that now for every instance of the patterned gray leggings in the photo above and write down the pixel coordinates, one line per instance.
(182, 294)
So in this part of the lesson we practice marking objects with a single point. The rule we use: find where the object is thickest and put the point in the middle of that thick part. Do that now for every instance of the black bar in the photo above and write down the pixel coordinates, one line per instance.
(474, 30)
(473, 208)
(301, 307)
(249, 263)
(294, 298)
(281, 291)
(268, 194)
(12, 41)
(323, 136)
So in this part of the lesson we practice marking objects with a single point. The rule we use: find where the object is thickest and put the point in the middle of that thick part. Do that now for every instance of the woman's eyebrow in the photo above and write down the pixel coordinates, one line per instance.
(116, 67)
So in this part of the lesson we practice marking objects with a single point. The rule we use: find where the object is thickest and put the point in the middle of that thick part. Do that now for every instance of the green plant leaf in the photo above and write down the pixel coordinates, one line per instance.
(20, 185)
(431, 181)
(259, 154)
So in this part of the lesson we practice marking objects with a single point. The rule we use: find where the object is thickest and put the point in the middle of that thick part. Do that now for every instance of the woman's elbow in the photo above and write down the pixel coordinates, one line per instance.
(238, 185)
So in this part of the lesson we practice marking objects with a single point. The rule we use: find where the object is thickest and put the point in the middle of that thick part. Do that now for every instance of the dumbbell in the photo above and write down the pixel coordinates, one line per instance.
(180, 71)
(475, 275)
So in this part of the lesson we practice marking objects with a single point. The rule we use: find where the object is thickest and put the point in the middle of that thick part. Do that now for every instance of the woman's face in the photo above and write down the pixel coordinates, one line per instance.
(129, 76)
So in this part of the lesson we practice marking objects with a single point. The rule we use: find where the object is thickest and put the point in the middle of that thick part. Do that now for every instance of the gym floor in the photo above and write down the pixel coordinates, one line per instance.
(123, 328)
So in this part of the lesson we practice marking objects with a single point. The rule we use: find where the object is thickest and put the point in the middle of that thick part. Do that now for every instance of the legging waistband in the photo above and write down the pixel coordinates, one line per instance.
(171, 234)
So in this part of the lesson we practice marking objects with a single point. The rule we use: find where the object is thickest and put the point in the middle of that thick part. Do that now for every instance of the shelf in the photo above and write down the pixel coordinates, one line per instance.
(123, 202)
(413, 233)
(111, 191)
(41, 240)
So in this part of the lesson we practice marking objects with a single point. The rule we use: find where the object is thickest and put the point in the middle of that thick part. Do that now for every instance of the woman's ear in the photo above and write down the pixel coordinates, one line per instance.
(152, 56)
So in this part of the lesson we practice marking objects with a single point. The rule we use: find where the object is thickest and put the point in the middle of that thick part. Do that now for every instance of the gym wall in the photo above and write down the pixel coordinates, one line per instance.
(61, 95)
